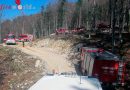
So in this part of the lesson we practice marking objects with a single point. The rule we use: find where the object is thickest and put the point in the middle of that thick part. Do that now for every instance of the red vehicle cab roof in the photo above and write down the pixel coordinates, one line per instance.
(100, 54)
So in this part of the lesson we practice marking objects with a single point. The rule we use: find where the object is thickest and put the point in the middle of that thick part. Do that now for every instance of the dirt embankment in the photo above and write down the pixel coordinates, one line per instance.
(19, 71)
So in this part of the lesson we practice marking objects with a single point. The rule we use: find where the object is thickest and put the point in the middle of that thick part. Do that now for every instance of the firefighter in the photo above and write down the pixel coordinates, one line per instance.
(23, 43)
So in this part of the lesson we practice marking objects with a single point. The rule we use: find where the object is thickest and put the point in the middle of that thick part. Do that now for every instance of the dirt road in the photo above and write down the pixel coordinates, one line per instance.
(54, 61)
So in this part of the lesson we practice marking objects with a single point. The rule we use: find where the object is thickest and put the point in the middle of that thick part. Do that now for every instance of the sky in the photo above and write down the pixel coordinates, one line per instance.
(29, 7)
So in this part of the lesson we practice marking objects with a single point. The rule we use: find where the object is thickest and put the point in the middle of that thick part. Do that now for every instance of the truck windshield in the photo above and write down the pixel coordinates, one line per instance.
(11, 37)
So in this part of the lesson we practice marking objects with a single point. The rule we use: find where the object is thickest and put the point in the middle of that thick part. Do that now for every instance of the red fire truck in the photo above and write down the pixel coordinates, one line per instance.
(10, 39)
(25, 37)
(61, 31)
(107, 67)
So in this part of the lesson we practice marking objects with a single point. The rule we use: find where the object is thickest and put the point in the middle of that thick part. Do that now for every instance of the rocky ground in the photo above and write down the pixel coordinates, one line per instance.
(19, 71)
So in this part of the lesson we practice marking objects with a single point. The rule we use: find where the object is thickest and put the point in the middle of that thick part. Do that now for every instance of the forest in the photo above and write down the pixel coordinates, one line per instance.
(69, 15)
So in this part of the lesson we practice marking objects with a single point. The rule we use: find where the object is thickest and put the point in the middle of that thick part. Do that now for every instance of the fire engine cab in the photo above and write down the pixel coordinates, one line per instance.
(107, 67)
(10, 39)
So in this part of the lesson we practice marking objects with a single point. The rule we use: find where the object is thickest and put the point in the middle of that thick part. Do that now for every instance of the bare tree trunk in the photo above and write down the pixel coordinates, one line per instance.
(121, 18)
(110, 13)
(80, 16)
(94, 15)
(49, 28)
(34, 30)
(42, 32)
(55, 23)
(127, 15)
(66, 23)
(77, 24)
(113, 25)
(0, 26)
(23, 28)
(0, 30)
(121, 25)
